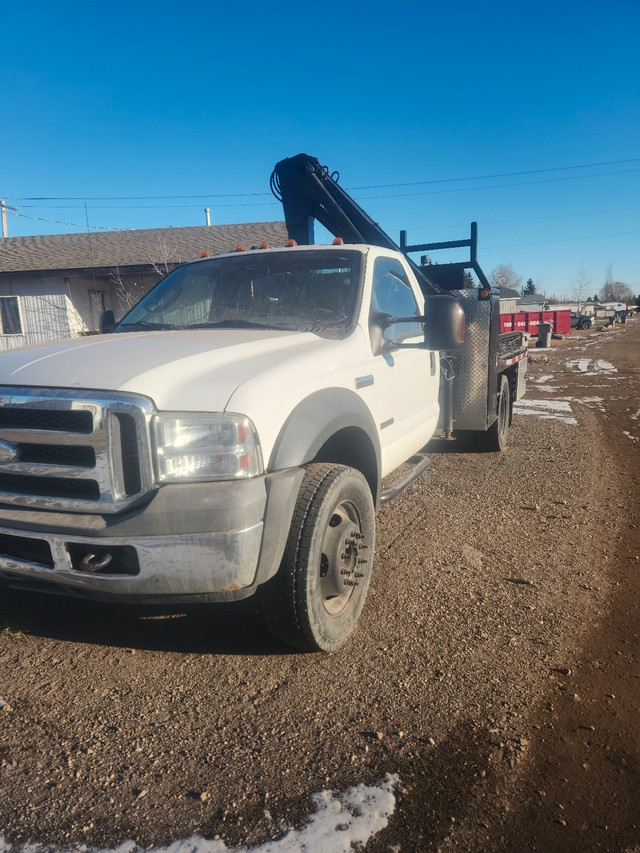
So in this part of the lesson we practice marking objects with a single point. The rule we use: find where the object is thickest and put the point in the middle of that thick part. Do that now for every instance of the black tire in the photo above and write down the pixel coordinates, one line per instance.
(586, 324)
(315, 599)
(494, 439)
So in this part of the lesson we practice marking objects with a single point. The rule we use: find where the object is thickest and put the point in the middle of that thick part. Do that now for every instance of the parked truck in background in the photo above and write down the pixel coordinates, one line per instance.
(231, 434)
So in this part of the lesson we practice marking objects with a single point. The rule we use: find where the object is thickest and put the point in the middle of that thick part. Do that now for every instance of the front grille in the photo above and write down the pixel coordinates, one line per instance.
(74, 450)
(81, 457)
(47, 419)
(57, 487)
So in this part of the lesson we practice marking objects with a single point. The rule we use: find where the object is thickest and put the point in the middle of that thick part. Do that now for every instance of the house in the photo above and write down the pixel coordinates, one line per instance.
(533, 302)
(508, 300)
(57, 285)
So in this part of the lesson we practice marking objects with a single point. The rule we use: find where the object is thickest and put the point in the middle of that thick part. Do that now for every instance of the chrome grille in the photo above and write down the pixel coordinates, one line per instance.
(74, 450)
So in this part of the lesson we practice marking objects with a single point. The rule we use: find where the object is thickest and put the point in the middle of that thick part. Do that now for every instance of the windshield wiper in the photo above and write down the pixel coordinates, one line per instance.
(235, 324)
(146, 325)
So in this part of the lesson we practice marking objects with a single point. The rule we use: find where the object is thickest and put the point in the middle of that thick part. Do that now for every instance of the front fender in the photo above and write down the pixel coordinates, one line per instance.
(315, 420)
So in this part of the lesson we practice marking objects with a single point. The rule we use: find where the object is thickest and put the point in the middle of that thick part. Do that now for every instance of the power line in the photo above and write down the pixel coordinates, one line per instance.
(566, 240)
(357, 188)
(504, 174)
(499, 186)
(70, 224)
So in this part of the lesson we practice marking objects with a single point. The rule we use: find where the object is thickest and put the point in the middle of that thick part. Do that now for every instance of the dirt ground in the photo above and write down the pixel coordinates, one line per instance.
(495, 668)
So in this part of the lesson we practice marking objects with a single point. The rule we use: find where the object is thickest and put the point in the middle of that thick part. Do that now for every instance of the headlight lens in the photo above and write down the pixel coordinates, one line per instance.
(192, 446)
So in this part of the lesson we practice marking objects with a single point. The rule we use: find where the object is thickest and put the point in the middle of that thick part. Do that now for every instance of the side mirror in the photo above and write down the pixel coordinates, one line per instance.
(444, 326)
(378, 322)
(444, 322)
(107, 322)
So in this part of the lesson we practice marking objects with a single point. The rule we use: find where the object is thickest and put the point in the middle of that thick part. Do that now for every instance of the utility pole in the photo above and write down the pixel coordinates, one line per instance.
(4, 207)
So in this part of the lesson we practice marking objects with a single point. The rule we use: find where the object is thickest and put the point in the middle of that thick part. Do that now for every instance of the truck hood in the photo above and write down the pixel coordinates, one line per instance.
(194, 370)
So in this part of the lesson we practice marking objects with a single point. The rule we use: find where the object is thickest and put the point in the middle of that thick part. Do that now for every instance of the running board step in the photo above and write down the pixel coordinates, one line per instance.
(419, 464)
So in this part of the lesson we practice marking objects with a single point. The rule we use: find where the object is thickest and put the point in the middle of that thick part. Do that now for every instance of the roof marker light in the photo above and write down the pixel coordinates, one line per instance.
(290, 243)
(264, 245)
(338, 241)
(205, 254)
(239, 248)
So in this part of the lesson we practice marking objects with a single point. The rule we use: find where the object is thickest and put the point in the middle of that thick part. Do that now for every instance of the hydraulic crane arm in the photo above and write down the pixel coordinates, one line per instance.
(308, 192)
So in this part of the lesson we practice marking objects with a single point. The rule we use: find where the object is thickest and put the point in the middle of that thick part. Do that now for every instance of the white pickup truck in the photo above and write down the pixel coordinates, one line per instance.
(231, 433)
(228, 436)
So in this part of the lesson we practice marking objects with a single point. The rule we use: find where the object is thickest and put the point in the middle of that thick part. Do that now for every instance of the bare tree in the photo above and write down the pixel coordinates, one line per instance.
(581, 284)
(128, 290)
(164, 259)
(504, 276)
(617, 291)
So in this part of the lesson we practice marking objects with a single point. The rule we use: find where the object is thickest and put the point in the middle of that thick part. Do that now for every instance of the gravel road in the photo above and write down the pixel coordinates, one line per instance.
(494, 670)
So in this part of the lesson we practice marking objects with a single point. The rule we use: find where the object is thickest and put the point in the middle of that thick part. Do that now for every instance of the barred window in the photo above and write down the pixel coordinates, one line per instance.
(10, 315)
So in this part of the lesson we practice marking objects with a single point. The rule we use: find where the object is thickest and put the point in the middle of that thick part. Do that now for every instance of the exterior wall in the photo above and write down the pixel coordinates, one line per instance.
(508, 306)
(129, 288)
(117, 292)
(43, 313)
(58, 306)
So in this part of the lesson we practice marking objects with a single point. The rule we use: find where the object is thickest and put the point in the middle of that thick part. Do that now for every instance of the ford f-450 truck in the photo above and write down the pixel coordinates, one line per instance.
(230, 435)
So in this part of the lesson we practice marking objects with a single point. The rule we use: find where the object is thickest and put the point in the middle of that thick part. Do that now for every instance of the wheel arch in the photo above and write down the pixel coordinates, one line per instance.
(331, 425)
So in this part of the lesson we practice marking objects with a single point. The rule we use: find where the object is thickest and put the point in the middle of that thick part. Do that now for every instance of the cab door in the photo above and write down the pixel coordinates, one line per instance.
(404, 394)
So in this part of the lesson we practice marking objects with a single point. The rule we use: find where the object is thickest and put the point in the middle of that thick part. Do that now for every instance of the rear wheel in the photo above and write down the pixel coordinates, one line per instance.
(317, 595)
(495, 438)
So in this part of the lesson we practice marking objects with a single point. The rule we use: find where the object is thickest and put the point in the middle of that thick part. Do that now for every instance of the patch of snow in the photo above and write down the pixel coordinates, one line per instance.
(628, 434)
(546, 410)
(582, 365)
(342, 822)
(579, 364)
(540, 379)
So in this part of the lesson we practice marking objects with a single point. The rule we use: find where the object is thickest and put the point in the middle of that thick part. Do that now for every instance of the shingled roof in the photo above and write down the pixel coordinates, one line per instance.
(141, 247)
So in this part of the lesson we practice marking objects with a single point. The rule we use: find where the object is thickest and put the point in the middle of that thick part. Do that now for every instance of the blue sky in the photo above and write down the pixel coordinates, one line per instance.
(523, 117)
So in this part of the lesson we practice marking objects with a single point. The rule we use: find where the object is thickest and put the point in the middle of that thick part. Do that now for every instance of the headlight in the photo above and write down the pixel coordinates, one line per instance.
(205, 447)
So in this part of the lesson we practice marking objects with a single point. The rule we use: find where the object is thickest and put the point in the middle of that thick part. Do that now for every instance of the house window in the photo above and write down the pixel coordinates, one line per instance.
(10, 318)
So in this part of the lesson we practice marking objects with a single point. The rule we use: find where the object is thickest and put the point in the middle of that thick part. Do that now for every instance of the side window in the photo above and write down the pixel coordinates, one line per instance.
(392, 294)
(10, 318)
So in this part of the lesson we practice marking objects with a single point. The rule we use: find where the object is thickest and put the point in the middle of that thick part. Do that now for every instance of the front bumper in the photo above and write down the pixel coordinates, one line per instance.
(190, 543)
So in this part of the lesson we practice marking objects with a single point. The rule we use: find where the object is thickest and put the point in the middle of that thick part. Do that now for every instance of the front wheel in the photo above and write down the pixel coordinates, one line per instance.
(315, 599)
(495, 438)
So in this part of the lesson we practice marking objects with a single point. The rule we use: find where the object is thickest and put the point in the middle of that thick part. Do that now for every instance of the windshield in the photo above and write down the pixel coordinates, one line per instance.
(299, 291)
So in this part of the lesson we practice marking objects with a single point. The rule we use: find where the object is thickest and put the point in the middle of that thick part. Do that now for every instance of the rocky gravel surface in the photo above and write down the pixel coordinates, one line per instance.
(494, 670)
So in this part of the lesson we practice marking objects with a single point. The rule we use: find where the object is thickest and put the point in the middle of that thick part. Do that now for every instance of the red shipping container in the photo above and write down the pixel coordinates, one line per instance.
(506, 323)
(562, 322)
(533, 321)
(520, 322)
